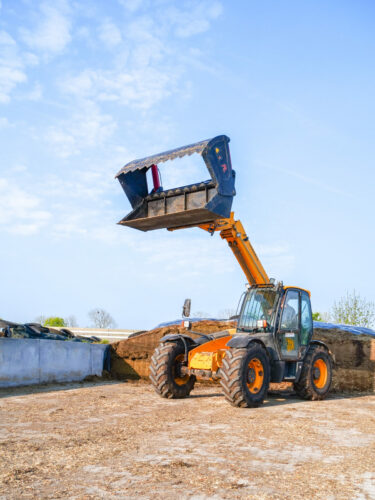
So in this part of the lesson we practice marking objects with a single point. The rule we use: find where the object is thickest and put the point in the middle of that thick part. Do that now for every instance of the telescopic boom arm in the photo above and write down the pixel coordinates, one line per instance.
(205, 204)
(234, 233)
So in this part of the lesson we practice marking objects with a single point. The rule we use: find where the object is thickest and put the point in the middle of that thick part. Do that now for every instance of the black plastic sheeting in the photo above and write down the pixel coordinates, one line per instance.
(107, 359)
(36, 331)
(357, 330)
(192, 320)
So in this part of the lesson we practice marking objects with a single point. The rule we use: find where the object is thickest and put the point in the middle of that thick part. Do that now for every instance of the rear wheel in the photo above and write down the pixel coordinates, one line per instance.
(165, 373)
(316, 377)
(245, 376)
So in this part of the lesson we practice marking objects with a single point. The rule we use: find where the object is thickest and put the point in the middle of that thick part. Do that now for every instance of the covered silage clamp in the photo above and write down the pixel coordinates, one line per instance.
(33, 354)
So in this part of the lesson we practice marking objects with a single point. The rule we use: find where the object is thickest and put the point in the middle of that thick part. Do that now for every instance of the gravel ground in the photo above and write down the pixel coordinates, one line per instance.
(120, 440)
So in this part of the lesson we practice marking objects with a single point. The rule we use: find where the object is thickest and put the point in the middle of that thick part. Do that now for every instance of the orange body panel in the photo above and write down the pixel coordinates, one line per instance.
(209, 356)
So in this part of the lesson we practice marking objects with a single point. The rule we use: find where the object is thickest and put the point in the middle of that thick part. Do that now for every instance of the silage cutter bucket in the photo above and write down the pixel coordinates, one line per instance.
(186, 205)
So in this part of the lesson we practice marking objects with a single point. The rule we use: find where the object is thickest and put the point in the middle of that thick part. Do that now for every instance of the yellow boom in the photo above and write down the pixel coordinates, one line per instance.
(238, 241)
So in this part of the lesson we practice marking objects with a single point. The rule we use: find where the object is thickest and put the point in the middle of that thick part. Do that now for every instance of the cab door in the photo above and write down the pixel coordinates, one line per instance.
(295, 325)
(289, 332)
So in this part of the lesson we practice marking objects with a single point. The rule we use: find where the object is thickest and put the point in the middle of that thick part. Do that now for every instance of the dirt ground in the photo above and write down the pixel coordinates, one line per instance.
(120, 440)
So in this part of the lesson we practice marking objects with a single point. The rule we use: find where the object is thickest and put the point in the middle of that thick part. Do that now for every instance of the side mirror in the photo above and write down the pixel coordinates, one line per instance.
(186, 308)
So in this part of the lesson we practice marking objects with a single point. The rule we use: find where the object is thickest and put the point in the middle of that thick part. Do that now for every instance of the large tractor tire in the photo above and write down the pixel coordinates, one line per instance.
(164, 375)
(316, 376)
(245, 376)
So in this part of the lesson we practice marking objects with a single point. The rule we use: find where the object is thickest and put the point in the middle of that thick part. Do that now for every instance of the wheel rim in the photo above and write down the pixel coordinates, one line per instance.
(320, 373)
(255, 375)
(179, 380)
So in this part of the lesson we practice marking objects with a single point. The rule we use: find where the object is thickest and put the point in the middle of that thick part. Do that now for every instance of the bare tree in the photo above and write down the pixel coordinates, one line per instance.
(101, 318)
(226, 313)
(326, 316)
(71, 320)
(200, 314)
(40, 319)
(354, 310)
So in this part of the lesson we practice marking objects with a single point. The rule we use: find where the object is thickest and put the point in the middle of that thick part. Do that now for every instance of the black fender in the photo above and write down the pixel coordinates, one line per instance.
(323, 344)
(240, 341)
(187, 341)
(277, 366)
(172, 337)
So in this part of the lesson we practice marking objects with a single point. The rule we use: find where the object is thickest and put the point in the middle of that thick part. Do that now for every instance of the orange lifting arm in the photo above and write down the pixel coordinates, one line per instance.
(234, 232)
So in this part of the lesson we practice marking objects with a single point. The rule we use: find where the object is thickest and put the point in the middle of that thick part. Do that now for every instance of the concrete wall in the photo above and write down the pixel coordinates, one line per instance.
(110, 334)
(34, 361)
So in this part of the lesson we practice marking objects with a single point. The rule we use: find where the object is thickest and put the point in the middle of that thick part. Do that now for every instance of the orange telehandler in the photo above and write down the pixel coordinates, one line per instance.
(273, 339)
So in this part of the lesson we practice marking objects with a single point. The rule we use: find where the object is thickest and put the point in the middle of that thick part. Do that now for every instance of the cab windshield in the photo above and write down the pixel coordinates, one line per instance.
(258, 304)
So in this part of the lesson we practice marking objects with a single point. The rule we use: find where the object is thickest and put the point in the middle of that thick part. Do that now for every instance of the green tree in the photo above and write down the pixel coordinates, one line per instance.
(317, 316)
(354, 310)
(54, 321)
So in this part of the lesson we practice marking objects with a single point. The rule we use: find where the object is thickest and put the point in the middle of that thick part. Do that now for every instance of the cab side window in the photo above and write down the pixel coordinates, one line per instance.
(306, 319)
(290, 316)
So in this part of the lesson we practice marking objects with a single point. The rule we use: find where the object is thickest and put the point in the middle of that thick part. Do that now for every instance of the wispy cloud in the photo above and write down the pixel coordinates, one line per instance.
(132, 5)
(308, 180)
(110, 34)
(51, 33)
(4, 122)
(20, 211)
(304, 120)
(277, 258)
(181, 257)
(144, 70)
(138, 65)
(193, 20)
(34, 94)
(88, 127)
(11, 66)
(139, 87)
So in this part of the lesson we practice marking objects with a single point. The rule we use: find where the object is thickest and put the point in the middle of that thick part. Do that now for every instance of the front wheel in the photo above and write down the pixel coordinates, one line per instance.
(316, 377)
(165, 373)
(245, 376)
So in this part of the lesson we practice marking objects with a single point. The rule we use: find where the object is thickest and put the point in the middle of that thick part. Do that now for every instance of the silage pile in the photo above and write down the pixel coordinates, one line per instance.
(130, 358)
(354, 354)
(354, 359)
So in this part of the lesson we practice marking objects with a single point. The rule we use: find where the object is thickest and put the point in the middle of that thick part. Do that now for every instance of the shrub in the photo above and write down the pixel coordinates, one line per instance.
(54, 321)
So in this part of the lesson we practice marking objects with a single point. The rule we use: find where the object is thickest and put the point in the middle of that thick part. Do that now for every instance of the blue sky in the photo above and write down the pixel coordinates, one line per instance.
(87, 86)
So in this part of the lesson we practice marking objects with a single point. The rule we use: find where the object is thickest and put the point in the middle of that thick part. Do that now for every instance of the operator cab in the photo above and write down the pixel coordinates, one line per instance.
(295, 326)
(280, 316)
(258, 310)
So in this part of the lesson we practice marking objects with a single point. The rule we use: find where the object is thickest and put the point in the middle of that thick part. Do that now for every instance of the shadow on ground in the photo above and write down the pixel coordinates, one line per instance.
(274, 397)
(8, 392)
